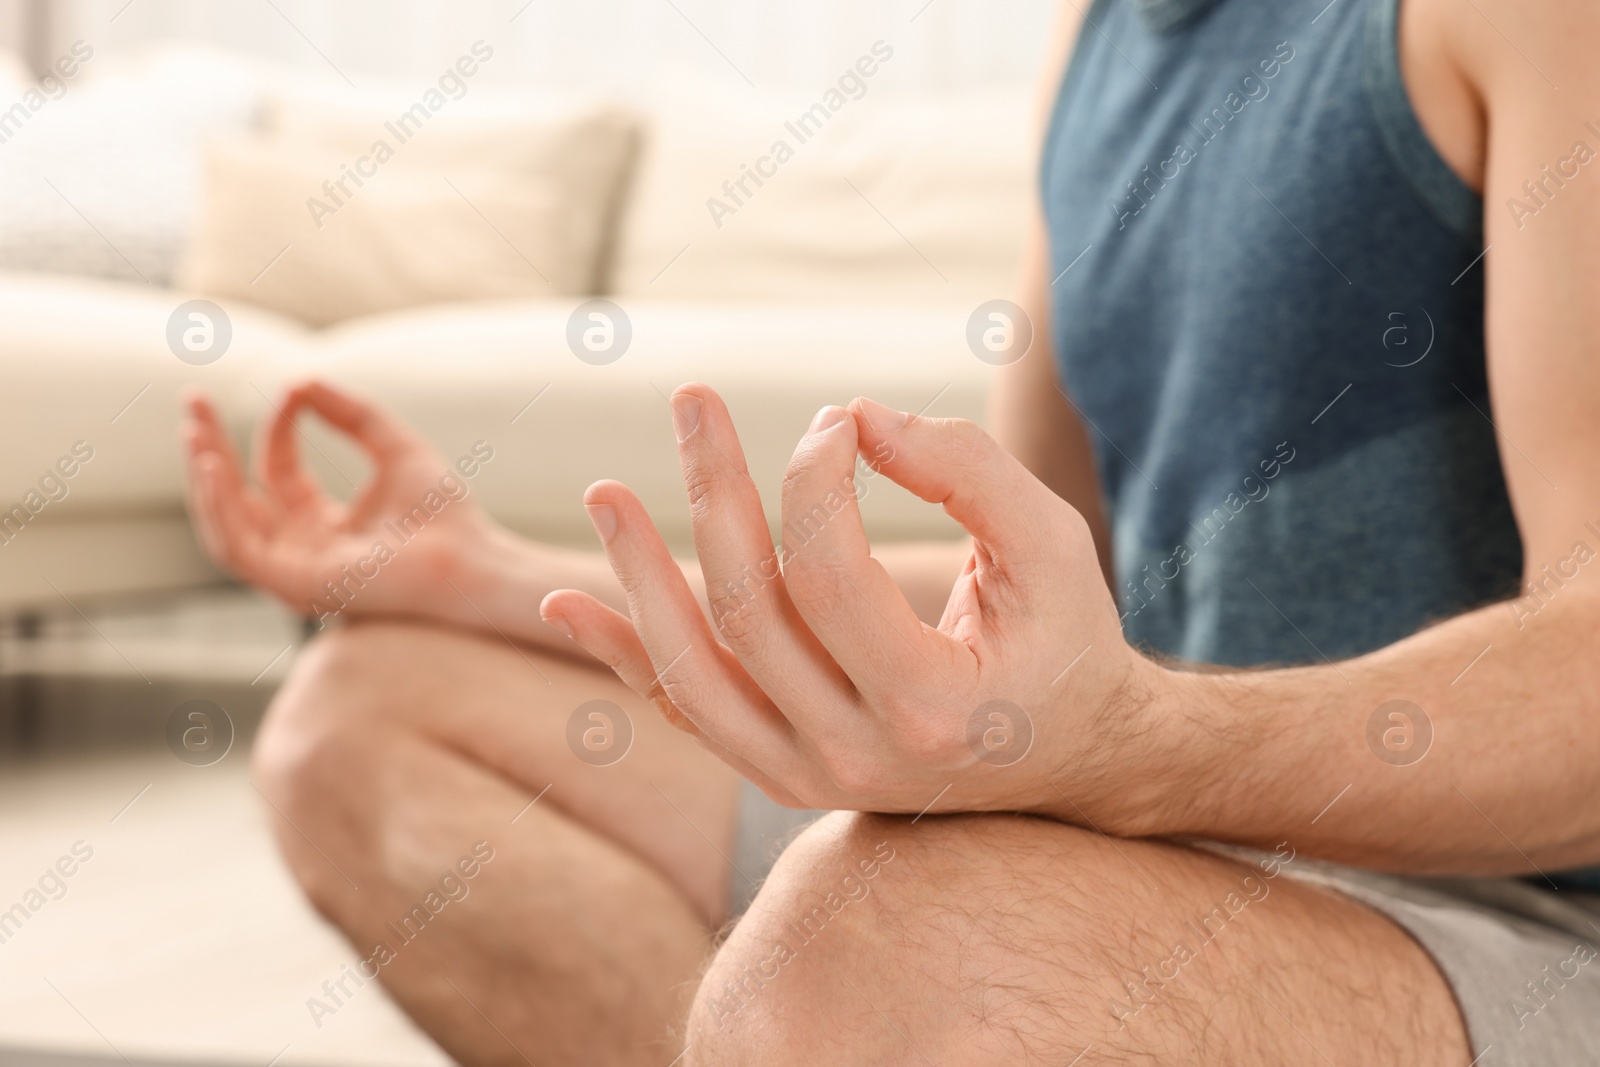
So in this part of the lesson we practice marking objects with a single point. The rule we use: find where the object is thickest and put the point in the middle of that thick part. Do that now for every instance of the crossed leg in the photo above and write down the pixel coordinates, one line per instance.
(1003, 939)
(393, 749)
(978, 940)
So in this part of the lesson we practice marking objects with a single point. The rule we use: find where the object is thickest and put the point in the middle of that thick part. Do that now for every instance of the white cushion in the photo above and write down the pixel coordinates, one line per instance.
(907, 201)
(128, 220)
(339, 213)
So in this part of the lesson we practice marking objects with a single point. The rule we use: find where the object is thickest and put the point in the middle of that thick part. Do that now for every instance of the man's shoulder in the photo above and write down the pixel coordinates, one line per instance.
(1510, 46)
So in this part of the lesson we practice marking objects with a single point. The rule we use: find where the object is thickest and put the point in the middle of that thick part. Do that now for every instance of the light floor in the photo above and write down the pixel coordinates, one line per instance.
(183, 937)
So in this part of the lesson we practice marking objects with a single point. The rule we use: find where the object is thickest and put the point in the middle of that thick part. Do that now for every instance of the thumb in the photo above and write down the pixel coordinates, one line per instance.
(377, 431)
(954, 463)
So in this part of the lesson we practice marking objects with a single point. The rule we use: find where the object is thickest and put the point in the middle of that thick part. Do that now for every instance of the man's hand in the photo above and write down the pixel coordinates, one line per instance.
(814, 676)
(287, 536)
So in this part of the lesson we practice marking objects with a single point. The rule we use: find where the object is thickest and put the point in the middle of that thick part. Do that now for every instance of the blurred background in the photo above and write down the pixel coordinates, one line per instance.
(520, 222)
(608, 44)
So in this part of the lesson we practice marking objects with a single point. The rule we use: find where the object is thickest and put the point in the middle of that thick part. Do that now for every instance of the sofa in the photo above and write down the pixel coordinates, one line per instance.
(852, 268)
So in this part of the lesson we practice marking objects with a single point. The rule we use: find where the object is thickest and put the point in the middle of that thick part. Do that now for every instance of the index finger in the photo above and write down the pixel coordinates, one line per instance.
(847, 598)
(380, 434)
(744, 589)
(375, 431)
(278, 458)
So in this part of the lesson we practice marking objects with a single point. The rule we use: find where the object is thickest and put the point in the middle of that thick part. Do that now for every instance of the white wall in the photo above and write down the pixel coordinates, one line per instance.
(611, 44)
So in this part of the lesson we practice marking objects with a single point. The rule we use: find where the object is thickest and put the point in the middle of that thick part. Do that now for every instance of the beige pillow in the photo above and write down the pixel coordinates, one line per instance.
(329, 215)
(909, 201)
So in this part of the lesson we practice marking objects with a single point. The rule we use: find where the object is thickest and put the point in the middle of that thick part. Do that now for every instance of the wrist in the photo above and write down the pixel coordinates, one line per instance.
(474, 575)
(1192, 750)
(1155, 760)
(495, 581)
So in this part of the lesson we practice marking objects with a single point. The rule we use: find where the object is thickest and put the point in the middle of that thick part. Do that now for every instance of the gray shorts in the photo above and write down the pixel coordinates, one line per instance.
(1523, 961)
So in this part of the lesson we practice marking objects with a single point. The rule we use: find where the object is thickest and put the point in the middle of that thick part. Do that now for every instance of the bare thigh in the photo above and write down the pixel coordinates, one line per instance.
(996, 939)
(522, 904)
(507, 710)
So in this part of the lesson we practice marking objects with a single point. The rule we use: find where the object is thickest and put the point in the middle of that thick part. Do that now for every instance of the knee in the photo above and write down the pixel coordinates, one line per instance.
(333, 681)
(319, 746)
(872, 932)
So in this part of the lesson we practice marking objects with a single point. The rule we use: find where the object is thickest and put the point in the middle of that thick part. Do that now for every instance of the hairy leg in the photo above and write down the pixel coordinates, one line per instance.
(397, 756)
(997, 939)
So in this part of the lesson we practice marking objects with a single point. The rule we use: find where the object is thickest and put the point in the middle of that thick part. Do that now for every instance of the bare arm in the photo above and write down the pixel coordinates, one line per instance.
(1029, 411)
(1512, 691)
(1030, 415)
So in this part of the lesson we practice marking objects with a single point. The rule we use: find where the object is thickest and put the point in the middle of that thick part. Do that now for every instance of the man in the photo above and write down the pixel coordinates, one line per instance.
(1319, 287)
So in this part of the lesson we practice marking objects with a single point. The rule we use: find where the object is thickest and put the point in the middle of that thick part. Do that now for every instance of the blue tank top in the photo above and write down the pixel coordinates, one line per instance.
(1268, 305)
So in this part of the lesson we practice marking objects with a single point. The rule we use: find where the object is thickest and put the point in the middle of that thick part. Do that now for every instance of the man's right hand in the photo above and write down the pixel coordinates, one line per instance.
(288, 536)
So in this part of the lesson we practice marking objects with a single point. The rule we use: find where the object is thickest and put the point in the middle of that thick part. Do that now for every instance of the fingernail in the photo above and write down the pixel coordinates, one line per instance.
(881, 418)
(685, 415)
(827, 417)
(604, 517)
(560, 623)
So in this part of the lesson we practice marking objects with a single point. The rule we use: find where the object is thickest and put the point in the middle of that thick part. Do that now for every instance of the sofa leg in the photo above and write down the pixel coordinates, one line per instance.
(23, 711)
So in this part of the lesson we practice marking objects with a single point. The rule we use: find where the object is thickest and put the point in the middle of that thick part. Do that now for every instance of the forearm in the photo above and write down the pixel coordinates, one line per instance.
(1507, 785)
(496, 587)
